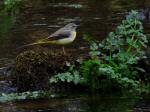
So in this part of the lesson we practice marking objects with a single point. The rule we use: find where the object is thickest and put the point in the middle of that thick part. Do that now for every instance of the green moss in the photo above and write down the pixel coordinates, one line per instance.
(34, 68)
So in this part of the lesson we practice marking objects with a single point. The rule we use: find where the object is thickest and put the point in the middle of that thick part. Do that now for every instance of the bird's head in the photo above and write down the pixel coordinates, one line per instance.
(71, 26)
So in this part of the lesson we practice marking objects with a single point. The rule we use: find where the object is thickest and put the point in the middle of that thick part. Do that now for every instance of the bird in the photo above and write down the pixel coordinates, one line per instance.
(62, 36)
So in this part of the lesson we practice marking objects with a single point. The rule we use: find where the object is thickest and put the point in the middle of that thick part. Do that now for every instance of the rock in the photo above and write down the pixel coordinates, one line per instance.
(33, 69)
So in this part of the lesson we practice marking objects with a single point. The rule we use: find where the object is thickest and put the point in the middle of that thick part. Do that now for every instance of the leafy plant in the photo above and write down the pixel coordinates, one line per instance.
(25, 95)
(125, 46)
(94, 52)
(94, 48)
(128, 37)
(90, 73)
(9, 14)
(13, 6)
(112, 61)
(119, 52)
(70, 76)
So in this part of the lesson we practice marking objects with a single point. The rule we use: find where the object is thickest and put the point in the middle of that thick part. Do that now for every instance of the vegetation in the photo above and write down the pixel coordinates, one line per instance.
(9, 14)
(119, 52)
(113, 65)
(113, 61)
(70, 76)
(25, 95)
(13, 6)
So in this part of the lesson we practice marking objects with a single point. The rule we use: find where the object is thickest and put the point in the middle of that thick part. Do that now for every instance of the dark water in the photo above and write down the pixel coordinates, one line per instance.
(76, 104)
(42, 17)
(96, 18)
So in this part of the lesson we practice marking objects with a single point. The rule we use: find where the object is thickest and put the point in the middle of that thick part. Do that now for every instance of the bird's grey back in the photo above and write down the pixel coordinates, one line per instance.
(66, 30)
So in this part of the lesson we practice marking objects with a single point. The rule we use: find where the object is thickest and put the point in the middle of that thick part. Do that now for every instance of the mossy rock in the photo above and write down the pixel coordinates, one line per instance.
(33, 69)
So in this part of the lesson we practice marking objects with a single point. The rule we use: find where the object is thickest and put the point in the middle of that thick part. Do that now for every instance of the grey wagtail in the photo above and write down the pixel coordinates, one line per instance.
(63, 36)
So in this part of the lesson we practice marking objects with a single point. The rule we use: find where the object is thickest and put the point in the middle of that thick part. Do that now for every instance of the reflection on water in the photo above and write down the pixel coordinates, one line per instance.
(80, 104)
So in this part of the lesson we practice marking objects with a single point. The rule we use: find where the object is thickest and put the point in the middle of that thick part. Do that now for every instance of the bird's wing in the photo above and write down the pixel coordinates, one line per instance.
(60, 34)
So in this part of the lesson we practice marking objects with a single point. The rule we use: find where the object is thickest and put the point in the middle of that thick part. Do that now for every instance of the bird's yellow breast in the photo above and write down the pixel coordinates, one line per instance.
(66, 40)
(63, 41)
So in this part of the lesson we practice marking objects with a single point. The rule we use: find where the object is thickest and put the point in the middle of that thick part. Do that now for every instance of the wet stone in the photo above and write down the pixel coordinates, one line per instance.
(33, 69)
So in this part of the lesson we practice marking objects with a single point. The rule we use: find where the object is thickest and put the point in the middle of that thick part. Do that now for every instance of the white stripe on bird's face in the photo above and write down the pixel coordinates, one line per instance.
(70, 26)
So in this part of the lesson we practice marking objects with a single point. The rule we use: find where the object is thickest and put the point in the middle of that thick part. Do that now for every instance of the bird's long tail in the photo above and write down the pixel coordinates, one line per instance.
(40, 42)
(27, 45)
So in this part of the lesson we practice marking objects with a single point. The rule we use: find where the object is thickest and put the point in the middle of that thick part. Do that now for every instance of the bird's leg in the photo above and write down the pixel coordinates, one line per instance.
(63, 49)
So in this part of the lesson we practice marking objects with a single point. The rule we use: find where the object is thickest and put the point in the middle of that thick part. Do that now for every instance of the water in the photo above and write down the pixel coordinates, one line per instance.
(42, 17)
(96, 18)
(75, 104)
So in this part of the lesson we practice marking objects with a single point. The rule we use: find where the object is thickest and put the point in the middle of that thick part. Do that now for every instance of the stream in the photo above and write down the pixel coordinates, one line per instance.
(96, 18)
